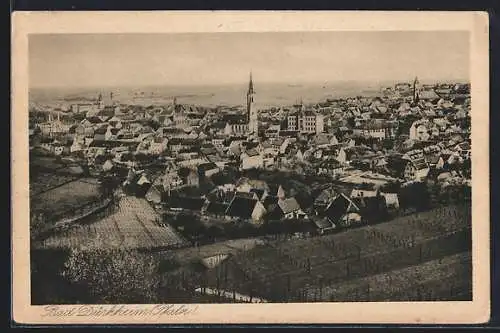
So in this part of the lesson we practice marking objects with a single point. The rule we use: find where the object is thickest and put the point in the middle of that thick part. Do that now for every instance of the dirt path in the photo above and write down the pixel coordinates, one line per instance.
(227, 247)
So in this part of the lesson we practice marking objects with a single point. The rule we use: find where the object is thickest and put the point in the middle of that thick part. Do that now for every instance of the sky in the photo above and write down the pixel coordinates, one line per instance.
(106, 60)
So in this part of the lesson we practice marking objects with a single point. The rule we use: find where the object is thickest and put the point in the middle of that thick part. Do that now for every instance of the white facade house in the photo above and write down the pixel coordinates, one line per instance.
(251, 159)
(306, 122)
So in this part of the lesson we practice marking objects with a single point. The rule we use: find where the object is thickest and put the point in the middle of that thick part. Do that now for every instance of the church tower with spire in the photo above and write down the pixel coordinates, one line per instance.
(416, 90)
(252, 116)
(100, 102)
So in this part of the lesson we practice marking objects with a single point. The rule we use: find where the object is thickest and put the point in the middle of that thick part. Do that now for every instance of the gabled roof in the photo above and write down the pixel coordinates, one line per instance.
(253, 183)
(428, 95)
(432, 159)
(235, 119)
(241, 207)
(289, 205)
(218, 208)
(326, 196)
(420, 164)
(280, 193)
(270, 203)
(252, 152)
(101, 131)
(108, 165)
(186, 202)
(207, 166)
(337, 208)
(94, 120)
(248, 195)
(258, 192)
(143, 180)
(371, 207)
(156, 188)
(250, 144)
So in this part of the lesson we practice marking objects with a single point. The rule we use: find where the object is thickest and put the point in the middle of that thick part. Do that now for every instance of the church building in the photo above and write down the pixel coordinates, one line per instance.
(244, 124)
(416, 91)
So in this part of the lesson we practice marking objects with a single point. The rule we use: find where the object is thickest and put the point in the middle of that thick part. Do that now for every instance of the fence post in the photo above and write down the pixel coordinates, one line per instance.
(321, 289)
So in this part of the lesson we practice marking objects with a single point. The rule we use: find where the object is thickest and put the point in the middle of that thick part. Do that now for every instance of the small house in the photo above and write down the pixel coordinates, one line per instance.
(154, 194)
(251, 159)
(208, 169)
(246, 208)
(291, 209)
(342, 211)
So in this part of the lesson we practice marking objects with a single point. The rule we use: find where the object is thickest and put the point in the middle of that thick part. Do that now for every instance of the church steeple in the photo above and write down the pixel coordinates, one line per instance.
(100, 102)
(251, 110)
(250, 85)
(416, 90)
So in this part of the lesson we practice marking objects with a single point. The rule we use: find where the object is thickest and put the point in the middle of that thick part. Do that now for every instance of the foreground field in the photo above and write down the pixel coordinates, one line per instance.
(133, 225)
(431, 281)
(291, 271)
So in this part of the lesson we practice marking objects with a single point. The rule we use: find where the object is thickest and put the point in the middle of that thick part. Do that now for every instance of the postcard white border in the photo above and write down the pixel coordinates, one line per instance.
(476, 311)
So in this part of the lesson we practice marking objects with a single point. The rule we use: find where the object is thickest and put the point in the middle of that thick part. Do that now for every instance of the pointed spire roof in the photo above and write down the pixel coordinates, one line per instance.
(250, 84)
(281, 193)
(416, 82)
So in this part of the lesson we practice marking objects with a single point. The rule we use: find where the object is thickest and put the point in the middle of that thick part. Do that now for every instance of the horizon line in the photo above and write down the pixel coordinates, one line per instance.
(213, 84)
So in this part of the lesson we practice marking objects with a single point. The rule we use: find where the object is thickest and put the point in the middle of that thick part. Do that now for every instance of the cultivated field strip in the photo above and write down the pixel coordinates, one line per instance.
(133, 225)
(64, 198)
(274, 269)
(394, 285)
(47, 182)
(317, 252)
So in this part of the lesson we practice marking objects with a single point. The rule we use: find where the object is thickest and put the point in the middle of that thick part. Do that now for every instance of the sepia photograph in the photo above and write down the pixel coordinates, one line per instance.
(188, 169)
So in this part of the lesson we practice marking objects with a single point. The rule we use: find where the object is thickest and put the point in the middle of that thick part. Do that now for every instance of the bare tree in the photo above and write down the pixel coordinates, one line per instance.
(113, 275)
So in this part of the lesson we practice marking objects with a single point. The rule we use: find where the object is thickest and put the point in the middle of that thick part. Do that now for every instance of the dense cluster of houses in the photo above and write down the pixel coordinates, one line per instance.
(409, 133)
